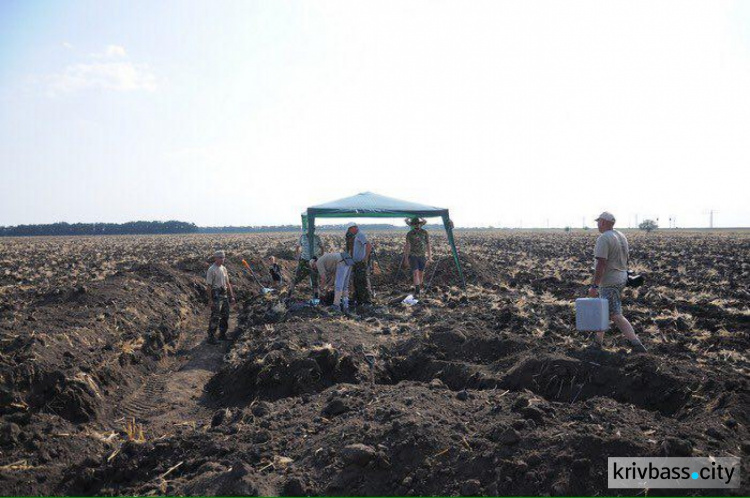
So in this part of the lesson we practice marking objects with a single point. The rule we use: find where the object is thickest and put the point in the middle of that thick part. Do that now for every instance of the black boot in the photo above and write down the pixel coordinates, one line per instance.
(211, 338)
(223, 335)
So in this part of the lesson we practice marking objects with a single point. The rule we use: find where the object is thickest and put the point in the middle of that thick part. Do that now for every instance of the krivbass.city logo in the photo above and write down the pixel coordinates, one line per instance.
(693, 472)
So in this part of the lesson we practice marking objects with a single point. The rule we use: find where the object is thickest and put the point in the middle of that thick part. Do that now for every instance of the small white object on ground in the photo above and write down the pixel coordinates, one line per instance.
(410, 300)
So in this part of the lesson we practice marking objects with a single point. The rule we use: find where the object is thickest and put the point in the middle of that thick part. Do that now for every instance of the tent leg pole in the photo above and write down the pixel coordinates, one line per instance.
(311, 237)
(452, 242)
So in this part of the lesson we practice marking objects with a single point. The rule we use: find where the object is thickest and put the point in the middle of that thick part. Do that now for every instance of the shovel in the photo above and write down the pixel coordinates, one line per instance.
(263, 289)
(400, 265)
(429, 284)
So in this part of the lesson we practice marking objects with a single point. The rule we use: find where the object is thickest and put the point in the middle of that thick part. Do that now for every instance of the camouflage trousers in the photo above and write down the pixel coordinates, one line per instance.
(305, 270)
(219, 312)
(361, 283)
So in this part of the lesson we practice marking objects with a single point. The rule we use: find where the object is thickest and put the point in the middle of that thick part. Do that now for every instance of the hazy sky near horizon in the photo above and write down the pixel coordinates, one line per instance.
(245, 113)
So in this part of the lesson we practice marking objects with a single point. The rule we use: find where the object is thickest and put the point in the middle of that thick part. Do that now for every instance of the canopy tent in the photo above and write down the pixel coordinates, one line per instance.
(369, 205)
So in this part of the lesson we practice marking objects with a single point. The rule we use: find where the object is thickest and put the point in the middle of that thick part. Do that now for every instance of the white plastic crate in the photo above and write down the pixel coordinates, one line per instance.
(592, 313)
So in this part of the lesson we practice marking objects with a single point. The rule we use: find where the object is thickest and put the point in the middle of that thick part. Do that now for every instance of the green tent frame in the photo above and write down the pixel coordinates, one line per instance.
(370, 205)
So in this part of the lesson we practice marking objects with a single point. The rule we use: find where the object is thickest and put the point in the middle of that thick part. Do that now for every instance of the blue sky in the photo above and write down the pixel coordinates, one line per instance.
(245, 112)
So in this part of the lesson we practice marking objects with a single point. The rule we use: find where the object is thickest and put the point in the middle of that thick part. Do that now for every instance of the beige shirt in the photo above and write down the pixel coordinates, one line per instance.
(327, 264)
(613, 246)
(217, 277)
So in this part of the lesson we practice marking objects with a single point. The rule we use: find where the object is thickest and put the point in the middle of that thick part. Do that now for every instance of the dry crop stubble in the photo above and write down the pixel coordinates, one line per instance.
(486, 390)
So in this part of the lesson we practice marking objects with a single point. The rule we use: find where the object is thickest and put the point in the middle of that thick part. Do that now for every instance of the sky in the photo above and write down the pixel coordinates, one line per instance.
(514, 113)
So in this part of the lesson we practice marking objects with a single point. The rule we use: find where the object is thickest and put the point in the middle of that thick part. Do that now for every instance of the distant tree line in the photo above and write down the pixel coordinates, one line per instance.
(250, 229)
(298, 228)
(129, 228)
(166, 227)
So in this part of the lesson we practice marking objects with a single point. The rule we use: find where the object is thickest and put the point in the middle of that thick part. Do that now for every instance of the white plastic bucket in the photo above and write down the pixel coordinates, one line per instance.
(592, 314)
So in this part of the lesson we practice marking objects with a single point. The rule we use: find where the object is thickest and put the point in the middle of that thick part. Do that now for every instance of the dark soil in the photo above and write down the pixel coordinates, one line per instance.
(109, 388)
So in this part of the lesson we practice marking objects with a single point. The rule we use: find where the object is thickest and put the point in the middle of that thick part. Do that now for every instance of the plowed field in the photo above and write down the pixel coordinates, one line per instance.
(108, 387)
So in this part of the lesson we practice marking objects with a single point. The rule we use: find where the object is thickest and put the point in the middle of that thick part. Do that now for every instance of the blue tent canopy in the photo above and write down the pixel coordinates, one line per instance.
(370, 205)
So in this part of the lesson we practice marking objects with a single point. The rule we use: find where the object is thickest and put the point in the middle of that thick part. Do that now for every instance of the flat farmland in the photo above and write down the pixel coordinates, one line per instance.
(108, 387)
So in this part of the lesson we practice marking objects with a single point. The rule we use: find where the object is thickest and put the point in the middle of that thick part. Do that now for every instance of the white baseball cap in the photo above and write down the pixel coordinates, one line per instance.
(606, 216)
(352, 224)
(219, 254)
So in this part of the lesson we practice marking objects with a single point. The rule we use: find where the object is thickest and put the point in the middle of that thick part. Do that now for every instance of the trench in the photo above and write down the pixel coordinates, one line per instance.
(569, 380)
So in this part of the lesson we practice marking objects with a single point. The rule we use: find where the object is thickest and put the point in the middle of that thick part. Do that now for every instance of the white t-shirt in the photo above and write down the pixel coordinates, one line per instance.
(358, 254)
(613, 246)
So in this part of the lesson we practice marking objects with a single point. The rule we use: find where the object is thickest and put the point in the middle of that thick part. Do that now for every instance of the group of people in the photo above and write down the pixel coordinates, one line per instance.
(327, 271)
(334, 271)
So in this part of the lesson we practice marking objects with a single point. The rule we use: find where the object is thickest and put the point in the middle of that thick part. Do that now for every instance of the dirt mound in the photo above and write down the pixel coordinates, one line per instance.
(291, 359)
(441, 271)
(476, 268)
(408, 439)
(285, 251)
(282, 373)
(643, 381)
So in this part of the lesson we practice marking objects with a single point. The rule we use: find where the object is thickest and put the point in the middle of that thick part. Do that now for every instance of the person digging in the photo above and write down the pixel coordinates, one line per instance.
(334, 274)
(219, 293)
(417, 250)
(611, 253)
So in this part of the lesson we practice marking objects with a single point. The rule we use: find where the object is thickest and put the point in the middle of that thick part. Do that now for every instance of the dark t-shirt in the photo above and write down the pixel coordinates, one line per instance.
(276, 271)
(417, 239)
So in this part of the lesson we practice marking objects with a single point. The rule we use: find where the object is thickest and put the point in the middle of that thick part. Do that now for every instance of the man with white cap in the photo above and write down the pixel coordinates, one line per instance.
(217, 281)
(611, 254)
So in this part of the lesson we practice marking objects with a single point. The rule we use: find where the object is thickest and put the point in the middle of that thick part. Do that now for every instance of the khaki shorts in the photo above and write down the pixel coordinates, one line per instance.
(612, 294)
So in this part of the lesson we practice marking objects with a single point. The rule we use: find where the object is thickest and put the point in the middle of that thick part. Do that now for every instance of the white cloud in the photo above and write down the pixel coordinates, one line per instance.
(67, 45)
(115, 51)
(111, 52)
(104, 73)
(117, 76)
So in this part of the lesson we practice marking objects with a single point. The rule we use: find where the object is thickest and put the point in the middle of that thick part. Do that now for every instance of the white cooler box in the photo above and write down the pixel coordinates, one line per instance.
(592, 313)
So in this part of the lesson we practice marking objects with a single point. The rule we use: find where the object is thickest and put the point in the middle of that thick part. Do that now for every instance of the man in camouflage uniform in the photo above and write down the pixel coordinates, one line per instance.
(217, 282)
(359, 249)
(306, 268)
(417, 250)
